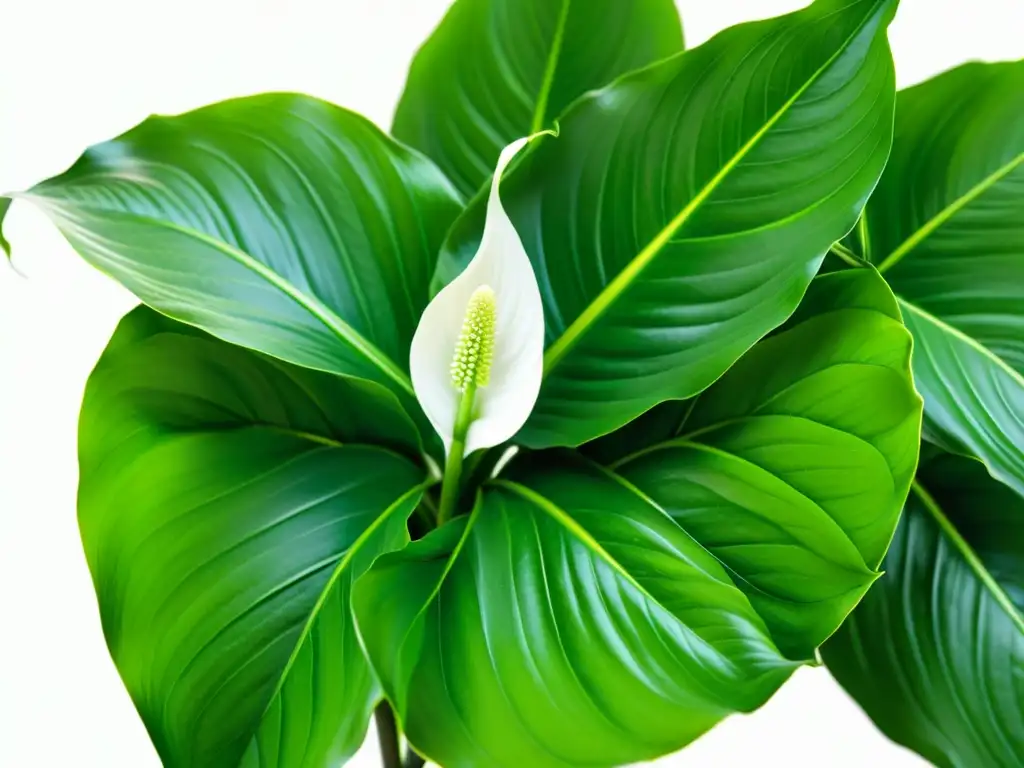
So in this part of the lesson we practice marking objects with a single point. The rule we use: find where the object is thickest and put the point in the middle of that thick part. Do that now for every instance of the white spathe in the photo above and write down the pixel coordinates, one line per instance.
(502, 406)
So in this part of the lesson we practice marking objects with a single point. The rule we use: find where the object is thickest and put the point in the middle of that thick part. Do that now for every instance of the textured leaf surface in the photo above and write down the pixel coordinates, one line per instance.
(567, 621)
(781, 472)
(946, 227)
(495, 70)
(224, 516)
(277, 222)
(683, 210)
(935, 652)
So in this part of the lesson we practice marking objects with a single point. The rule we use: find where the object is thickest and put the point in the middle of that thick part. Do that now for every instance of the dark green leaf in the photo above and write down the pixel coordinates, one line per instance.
(277, 222)
(495, 70)
(946, 227)
(935, 651)
(174, 377)
(683, 210)
(567, 621)
(224, 516)
(793, 467)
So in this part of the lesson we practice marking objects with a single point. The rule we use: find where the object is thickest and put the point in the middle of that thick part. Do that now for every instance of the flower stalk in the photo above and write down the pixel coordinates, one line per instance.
(470, 369)
(453, 466)
(492, 317)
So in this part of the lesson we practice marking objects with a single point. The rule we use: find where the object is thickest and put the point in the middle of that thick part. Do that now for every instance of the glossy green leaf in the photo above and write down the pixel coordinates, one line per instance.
(566, 621)
(946, 227)
(935, 652)
(226, 504)
(793, 467)
(683, 210)
(278, 222)
(495, 70)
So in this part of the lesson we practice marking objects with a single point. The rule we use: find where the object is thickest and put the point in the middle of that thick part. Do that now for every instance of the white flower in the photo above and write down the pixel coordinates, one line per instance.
(480, 342)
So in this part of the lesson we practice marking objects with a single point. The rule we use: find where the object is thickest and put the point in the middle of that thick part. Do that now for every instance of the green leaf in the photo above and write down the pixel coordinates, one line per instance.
(683, 210)
(793, 467)
(224, 515)
(175, 377)
(566, 621)
(277, 222)
(5, 204)
(934, 653)
(946, 227)
(496, 70)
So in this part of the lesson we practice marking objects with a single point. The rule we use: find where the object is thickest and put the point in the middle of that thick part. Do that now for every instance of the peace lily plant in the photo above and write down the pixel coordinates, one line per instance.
(558, 450)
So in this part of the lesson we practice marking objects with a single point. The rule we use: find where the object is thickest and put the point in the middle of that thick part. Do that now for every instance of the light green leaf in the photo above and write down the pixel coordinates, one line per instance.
(277, 222)
(224, 516)
(792, 469)
(496, 70)
(946, 227)
(683, 210)
(934, 653)
(5, 203)
(566, 621)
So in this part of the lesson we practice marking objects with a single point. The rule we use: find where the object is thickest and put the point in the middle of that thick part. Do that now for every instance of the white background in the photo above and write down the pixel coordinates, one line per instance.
(75, 72)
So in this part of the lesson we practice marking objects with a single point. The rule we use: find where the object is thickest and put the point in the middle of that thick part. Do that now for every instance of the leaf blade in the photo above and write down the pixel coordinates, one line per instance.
(931, 652)
(494, 71)
(224, 515)
(561, 677)
(945, 228)
(310, 237)
(657, 252)
(972, 396)
(781, 448)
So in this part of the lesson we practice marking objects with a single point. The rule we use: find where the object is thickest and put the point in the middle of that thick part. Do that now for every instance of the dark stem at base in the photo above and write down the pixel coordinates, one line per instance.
(387, 733)
(390, 747)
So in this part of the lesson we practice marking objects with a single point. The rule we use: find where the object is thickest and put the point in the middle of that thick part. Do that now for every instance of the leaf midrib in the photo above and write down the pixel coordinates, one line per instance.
(922, 233)
(448, 565)
(610, 293)
(722, 453)
(311, 304)
(948, 212)
(733, 574)
(551, 67)
(972, 342)
(322, 599)
(969, 555)
(564, 519)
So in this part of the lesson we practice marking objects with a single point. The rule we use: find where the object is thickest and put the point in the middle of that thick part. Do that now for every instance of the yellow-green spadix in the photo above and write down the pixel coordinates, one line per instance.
(484, 329)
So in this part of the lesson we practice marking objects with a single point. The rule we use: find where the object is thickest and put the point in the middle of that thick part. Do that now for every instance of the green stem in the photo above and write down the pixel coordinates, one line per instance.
(453, 465)
(847, 255)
